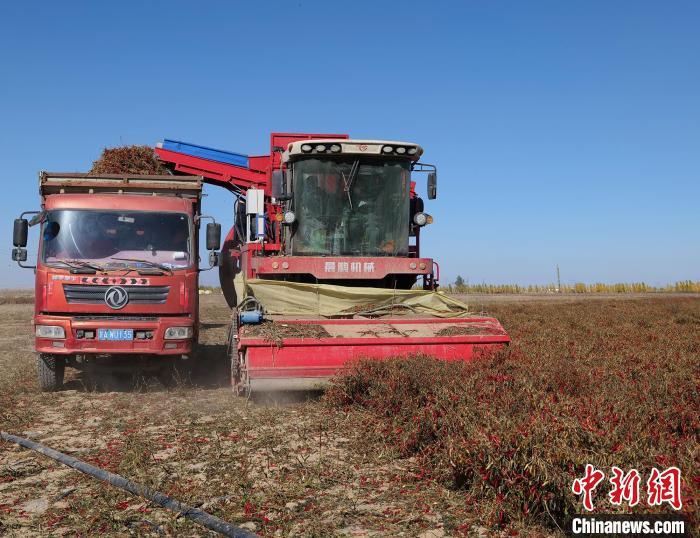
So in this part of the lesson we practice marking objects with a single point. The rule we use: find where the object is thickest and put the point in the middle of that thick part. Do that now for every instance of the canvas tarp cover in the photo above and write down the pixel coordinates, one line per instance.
(293, 298)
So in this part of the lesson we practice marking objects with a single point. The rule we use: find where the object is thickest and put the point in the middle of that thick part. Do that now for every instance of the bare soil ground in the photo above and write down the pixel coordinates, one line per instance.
(277, 468)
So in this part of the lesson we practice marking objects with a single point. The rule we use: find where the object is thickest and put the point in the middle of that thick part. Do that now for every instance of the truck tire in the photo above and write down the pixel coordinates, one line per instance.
(50, 370)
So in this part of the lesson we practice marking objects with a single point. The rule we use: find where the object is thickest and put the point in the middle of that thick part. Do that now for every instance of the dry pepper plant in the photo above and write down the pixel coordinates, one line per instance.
(128, 160)
(401, 448)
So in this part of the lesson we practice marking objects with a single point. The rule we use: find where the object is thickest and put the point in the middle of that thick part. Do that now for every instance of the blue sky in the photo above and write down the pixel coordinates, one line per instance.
(564, 132)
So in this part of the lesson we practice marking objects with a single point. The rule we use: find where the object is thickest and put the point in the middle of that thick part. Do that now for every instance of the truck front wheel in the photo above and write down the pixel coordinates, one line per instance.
(50, 369)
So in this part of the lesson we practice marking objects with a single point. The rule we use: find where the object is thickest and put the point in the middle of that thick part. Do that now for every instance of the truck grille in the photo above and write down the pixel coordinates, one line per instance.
(107, 317)
(76, 293)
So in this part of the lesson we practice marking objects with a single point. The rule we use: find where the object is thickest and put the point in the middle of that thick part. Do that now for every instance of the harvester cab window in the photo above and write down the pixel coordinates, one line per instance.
(351, 207)
(103, 237)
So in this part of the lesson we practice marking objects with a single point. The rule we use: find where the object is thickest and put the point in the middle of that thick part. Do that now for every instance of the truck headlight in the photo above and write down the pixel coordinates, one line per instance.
(178, 333)
(50, 331)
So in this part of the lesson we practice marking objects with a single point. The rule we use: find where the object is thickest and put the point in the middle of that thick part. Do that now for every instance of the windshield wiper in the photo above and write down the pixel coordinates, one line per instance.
(348, 181)
(79, 264)
(147, 262)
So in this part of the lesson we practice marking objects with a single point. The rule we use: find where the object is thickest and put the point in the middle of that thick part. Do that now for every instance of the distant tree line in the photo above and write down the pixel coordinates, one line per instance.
(684, 286)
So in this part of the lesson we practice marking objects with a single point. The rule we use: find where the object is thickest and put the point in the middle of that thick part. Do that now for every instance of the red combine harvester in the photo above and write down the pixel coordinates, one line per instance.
(321, 264)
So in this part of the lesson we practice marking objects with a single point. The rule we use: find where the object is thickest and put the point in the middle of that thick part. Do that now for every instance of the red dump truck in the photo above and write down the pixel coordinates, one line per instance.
(117, 272)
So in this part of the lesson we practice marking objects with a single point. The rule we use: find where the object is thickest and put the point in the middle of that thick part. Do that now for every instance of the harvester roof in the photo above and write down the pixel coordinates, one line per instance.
(335, 147)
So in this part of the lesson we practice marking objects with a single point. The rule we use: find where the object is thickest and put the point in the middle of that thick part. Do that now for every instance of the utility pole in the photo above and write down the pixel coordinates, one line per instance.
(558, 280)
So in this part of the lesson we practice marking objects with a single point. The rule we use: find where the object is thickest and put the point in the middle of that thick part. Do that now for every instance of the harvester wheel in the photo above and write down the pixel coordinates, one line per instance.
(50, 370)
(232, 348)
(236, 357)
(239, 377)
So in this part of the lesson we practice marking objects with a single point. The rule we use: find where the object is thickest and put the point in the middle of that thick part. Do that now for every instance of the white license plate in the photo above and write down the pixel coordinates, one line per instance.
(115, 334)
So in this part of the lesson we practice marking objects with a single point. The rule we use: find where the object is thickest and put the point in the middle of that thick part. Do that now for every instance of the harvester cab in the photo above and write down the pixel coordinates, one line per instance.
(353, 198)
(344, 212)
(322, 262)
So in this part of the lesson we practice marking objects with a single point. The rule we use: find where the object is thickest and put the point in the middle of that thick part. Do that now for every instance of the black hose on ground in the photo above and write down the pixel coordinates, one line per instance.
(207, 520)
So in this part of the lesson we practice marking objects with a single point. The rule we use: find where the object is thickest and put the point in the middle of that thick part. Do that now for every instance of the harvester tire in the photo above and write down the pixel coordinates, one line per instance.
(234, 355)
(50, 370)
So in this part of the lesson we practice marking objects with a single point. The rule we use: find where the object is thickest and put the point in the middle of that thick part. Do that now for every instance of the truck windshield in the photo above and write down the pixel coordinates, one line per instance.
(103, 236)
(351, 207)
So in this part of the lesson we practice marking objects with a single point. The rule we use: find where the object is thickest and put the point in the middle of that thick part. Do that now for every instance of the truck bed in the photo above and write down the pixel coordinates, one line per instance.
(81, 183)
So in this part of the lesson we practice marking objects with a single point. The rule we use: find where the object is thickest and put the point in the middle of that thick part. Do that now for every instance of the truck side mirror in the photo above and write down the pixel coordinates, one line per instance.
(279, 187)
(213, 236)
(432, 185)
(20, 232)
(19, 254)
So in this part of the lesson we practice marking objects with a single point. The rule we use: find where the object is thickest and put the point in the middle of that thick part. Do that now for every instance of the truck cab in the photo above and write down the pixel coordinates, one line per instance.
(116, 272)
